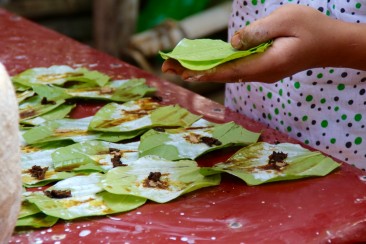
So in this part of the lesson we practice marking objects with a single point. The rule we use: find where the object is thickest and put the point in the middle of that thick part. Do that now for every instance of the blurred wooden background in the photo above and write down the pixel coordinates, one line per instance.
(133, 30)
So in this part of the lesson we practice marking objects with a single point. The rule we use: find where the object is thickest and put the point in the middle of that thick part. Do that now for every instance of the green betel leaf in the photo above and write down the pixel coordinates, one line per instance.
(130, 114)
(20, 88)
(132, 89)
(173, 115)
(27, 209)
(59, 75)
(37, 167)
(157, 179)
(58, 113)
(61, 129)
(91, 77)
(203, 54)
(189, 143)
(138, 115)
(103, 156)
(262, 162)
(36, 106)
(118, 91)
(82, 196)
(21, 96)
(38, 220)
(25, 148)
(50, 92)
(118, 137)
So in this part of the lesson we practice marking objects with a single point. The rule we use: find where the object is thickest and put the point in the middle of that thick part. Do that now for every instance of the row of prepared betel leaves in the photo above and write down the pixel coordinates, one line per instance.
(94, 170)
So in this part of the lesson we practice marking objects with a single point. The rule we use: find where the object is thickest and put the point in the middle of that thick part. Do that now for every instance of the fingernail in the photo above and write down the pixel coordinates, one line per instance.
(170, 71)
(236, 41)
(191, 78)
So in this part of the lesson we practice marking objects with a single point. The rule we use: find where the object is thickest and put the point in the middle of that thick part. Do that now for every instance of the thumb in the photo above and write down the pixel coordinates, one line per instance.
(277, 24)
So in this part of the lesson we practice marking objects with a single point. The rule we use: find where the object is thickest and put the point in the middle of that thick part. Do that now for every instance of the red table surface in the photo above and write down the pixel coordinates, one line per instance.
(329, 209)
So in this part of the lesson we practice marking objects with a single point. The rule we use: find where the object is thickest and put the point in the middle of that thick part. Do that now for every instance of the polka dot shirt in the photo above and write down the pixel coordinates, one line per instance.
(322, 107)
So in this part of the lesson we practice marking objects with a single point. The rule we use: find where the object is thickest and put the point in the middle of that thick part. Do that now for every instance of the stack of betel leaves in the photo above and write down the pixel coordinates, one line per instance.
(204, 54)
(132, 150)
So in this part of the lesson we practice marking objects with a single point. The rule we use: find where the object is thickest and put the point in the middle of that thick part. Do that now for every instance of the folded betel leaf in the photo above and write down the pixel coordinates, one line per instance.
(31, 216)
(75, 130)
(191, 142)
(203, 54)
(37, 167)
(135, 115)
(114, 118)
(36, 106)
(21, 96)
(51, 92)
(172, 116)
(27, 209)
(20, 88)
(94, 156)
(27, 148)
(131, 89)
(157, 179)
(82, 196)
(263, 162)
(61, 129)
(113, 114)
(119, 136)
(59, 75)
(38, 220)
(58, 113)
(118, 91)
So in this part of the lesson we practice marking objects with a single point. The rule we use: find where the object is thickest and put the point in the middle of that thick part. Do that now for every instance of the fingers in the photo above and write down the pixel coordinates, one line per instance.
(268, 67)
(172, 66)
(259, 67)
(233, 71)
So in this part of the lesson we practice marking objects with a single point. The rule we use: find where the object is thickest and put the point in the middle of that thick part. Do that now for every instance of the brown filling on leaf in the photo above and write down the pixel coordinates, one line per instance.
(126, 116)
(113, 150)
(44, 101)
(193, 138)
(196, 138)
(27, 113)
(116, 159)
(146, 106)
(210, 141)
(154, 180)
(159, 129)
(148, 103)
(154, 176)
(106, 90)
(58, 194)
(50, 77)
(276, 161)
(38, 172)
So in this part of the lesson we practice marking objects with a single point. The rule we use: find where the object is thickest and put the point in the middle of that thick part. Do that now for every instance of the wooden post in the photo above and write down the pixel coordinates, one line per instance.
(114, 24)
(10, 178)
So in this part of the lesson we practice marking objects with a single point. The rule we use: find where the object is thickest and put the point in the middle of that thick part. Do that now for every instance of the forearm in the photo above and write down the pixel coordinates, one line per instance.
(303, 38)
(352, 46)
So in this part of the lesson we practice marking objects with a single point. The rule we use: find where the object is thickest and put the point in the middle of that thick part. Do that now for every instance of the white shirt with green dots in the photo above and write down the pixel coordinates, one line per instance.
(323, 107)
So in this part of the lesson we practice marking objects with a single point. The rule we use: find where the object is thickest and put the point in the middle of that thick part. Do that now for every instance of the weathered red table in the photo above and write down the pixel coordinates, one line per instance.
(330, 209)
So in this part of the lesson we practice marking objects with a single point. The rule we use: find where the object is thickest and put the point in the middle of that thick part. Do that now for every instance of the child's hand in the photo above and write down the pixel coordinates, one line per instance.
(303, 38)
